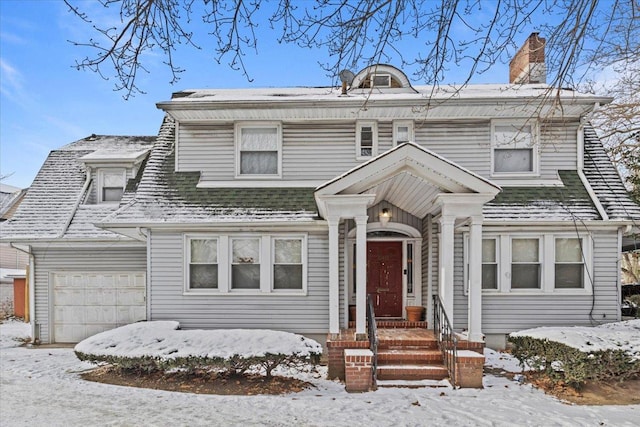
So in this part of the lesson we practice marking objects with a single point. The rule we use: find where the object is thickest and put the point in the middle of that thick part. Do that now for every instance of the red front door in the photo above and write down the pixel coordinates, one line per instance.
(384, 277)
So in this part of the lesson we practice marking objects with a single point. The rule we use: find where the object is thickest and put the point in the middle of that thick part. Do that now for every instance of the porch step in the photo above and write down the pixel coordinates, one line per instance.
(414, 383)
(411, 355)
(412, 372)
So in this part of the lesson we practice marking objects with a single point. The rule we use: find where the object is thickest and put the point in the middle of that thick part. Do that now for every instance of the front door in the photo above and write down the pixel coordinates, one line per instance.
(384, 277)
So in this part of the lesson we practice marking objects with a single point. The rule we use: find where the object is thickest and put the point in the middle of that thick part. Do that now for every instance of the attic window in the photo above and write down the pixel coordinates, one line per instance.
(111, 183)
(381, 80)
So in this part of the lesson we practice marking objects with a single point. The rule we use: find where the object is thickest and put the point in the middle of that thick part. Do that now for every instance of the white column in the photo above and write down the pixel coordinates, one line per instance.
(446, 264)
(361, 274)
(334, 276)
(475, 280)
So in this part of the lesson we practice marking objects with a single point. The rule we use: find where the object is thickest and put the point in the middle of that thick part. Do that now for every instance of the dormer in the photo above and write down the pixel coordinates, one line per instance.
(381, 78)
(110, 170)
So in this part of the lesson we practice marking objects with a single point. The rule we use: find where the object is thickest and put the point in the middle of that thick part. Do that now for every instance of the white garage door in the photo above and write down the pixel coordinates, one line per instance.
(87, 303)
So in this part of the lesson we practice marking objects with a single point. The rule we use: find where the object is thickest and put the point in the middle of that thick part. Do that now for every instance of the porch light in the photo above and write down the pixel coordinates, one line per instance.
(384, 216)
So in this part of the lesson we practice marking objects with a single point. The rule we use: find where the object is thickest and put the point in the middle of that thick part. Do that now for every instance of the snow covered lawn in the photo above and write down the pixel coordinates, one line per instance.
(42, 387)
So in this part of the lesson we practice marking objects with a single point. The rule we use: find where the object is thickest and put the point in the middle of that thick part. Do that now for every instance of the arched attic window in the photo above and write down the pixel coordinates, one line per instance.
(382, 77)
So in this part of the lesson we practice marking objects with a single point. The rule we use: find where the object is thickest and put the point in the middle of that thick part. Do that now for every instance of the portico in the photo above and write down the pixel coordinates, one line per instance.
(425, 185)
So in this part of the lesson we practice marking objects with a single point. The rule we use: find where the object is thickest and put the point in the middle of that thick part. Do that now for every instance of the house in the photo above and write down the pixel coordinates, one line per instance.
(281, 208)
(12, 261)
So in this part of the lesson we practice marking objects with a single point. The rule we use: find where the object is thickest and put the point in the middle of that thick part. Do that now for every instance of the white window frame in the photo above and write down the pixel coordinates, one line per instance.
(403, 123)
(267, 256)
(517, 123)
(546, 256)
(374, 135)
(101, 181)
(238, 140)
(303, 254)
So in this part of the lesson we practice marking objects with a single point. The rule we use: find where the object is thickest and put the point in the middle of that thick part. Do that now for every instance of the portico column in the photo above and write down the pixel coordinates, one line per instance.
(446, 264)
(361, 275)
(475, 279)
(334, 276)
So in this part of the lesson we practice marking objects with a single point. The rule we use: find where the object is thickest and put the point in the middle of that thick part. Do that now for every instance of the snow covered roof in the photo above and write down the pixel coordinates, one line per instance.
(606, 182)
(427, 102)
(51, 209)
(163, 196)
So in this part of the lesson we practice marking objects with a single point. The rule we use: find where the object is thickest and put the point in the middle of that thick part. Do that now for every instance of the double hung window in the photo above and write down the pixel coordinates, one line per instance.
(258, 150)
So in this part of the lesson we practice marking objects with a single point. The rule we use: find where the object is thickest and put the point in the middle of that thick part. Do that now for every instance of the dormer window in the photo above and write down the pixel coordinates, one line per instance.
(111, 183)
(381, 80)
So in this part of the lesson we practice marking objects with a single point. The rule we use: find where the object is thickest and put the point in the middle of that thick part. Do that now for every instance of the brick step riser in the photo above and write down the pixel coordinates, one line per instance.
(426, 345)
(411, 375)
(397, 359)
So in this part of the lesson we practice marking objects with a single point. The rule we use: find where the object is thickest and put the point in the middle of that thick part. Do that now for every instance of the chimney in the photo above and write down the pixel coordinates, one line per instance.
(528, 66)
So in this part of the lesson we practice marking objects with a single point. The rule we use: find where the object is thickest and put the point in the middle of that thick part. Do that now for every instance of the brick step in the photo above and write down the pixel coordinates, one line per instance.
(404, 355)
(413, 383)
(395, 324)
(390, 344)
(412, 372)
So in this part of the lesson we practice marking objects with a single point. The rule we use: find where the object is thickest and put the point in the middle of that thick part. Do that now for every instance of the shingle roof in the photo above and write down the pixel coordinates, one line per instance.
(565, 203)
(165, 196)
(605, 180)
(51, 200)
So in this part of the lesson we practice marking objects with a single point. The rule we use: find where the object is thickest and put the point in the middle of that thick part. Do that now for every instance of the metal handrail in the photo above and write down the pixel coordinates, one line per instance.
(447, 340)
(373, 335)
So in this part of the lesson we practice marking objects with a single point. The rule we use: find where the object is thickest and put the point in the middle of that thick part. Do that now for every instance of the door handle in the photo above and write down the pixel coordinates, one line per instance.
(377, 299)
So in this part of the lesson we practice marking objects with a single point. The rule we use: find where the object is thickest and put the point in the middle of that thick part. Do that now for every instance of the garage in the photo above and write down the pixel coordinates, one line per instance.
(86, 303)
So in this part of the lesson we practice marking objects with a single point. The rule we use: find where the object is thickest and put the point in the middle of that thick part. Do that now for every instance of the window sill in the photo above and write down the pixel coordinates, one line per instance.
(537, 292)
(238, 292)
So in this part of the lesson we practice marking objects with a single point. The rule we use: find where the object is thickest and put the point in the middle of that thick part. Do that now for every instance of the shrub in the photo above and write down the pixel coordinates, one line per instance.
(570, 365)
(161, 346)
(6, 309)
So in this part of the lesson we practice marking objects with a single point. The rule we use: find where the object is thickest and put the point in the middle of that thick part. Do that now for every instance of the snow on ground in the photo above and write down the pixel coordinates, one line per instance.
(612, 336)
(13, 333)
(163, 339)
(41, 386)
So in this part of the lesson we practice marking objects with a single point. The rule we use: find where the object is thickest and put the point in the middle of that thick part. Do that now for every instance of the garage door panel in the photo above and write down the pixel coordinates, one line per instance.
(69, 296)
(100, 297)
(86, 303)
(131, 314)
(70, 333)
(69, 314)
(98, 314)
(130, 297)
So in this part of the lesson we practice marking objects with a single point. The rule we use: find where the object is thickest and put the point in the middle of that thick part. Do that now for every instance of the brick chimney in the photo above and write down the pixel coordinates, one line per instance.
(528, 66)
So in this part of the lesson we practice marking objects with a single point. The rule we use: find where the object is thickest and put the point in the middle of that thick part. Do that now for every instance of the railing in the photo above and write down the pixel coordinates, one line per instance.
(373, 336)
(447, 340)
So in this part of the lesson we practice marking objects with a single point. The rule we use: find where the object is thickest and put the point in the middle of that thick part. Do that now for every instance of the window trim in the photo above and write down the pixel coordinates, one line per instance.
(411, 131)
(267, 256)
(303, 255)
(101, 187)
(547, 263)
(534, 148)
(374, 143)
(238, 141)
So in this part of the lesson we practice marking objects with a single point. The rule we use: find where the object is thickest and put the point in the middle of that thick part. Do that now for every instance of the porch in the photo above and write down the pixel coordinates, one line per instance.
(404, 353)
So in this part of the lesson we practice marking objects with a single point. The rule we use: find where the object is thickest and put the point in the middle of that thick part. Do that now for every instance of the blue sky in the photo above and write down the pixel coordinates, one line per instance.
(45, 103)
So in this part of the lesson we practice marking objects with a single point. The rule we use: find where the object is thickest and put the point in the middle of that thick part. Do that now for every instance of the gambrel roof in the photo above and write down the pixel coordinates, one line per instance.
(163, 196)
(52, 208)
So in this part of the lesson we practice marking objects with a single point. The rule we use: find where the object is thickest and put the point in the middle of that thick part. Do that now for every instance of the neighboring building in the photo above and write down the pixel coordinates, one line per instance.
(279, 208)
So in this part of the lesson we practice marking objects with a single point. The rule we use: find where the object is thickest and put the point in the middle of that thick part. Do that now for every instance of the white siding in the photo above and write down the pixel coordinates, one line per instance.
(294, 313)
(52, 260)
(558, 148)
(467, 144)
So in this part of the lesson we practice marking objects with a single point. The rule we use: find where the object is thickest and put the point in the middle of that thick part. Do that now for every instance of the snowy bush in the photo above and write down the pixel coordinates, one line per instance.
(576, 354)
(162, 346)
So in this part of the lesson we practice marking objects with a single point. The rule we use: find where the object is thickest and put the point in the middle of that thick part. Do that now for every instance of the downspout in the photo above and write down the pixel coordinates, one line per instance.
(31, 286)
(583, 178)
(81, 197)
